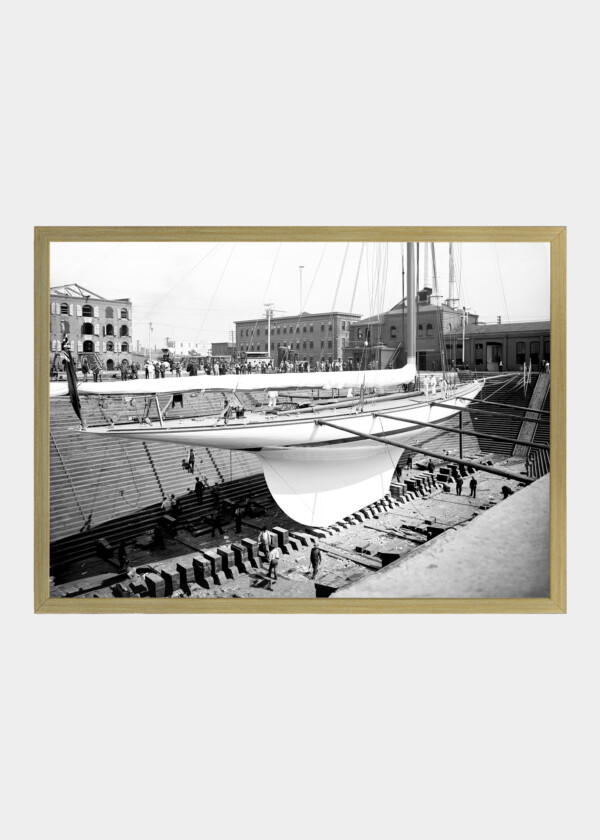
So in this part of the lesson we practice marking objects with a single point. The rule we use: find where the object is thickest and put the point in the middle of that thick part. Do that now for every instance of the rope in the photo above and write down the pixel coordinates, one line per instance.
(337, 288)
(362, 249)
(185, 276)
(501, 283)
(215, 291)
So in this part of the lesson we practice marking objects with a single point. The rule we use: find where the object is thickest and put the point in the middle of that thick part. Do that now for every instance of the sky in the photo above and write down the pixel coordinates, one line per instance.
(196, 291)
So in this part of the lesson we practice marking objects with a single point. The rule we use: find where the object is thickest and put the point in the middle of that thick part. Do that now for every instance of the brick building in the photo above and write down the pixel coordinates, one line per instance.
(514, 344)
(379, 341)
(306, 337)
(97, 327)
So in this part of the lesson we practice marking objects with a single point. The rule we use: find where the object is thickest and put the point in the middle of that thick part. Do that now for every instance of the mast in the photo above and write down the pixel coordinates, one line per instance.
(411, 295)
(452, 296)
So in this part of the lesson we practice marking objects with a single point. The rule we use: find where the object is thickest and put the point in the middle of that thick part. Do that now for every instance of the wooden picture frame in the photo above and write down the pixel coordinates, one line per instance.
(555, 603)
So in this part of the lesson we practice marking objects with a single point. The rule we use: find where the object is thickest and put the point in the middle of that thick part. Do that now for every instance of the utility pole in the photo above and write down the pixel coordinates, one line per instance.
(301, 268)
(269, 312)
(411, 337)
(150, 340)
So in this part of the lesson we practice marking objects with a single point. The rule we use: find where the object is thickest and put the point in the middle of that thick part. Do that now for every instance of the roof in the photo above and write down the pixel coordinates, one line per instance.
(293, 317)
(75, 290)
(515, 326)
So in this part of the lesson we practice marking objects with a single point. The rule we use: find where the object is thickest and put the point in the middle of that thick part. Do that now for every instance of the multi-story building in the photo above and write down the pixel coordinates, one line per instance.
(305, 337)
(97, 327)
(379, 341)
(223, 349)
(516, 344)
(188, 348)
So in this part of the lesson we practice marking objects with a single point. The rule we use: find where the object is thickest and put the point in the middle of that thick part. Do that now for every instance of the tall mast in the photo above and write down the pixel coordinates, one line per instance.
(452, 296)
(411, 297)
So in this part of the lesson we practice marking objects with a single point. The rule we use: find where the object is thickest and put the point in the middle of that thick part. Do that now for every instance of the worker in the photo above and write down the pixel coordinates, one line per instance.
(273, 563)
(315, 560)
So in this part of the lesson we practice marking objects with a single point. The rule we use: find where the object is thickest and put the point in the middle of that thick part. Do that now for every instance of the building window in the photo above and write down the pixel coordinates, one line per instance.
(109, 329)
(322, 327)
(278, 330)
(478, 354)
(429, 329)
(547, 349)
(312, 328)
(329, 327)
(329, 344)
(124, 347)
(304, 328)
(393, 332)
(297, 345)
(285, 330)
(88, 346)
(359, 335)
(322, 345)
(297, 330)
(304, 345)
(534, 352)
(108, 312)
(246, 332)
(64, 309)
(87, 329)
(124, 313)
(520, 358)
(110, 346)
(87, 311)
(343, 325)
(124, 330)
(311, 345)
(258, 331)
(420, 330)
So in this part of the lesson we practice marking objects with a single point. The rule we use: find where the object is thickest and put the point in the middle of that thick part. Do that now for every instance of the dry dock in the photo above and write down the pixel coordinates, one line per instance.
(426, 542)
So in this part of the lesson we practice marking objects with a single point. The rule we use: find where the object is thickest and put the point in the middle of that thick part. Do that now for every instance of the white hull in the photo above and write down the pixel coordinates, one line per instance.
(317, 474)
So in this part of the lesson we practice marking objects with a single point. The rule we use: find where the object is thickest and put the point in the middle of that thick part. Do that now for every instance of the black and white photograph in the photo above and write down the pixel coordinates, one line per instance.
(299, 419)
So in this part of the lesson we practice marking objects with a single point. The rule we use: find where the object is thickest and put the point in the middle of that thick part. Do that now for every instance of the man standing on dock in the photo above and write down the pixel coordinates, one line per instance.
(459, 484)
(473, 486)
(315, 560)
(273, 563)
(263, 545)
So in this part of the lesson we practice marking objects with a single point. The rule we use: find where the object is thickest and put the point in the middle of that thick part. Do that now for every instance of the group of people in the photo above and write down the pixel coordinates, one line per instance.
(268, 551)
(158, 369)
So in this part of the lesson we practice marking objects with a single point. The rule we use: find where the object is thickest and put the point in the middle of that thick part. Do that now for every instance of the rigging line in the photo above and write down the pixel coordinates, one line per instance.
(337, 288)
(312, 282)
(259, 317)
(501, 283)
(139, 318)
(216, 290)
(362, 249)
(272, 270)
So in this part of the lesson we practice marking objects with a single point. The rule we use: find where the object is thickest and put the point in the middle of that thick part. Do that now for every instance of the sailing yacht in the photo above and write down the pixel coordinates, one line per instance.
(322, 462)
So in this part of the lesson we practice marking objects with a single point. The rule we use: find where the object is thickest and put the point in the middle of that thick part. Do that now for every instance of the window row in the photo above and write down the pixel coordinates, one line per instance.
(258, 347)
(275, 330)
(94, 329)
(534, 352)
(86, 311)
(93, 346)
